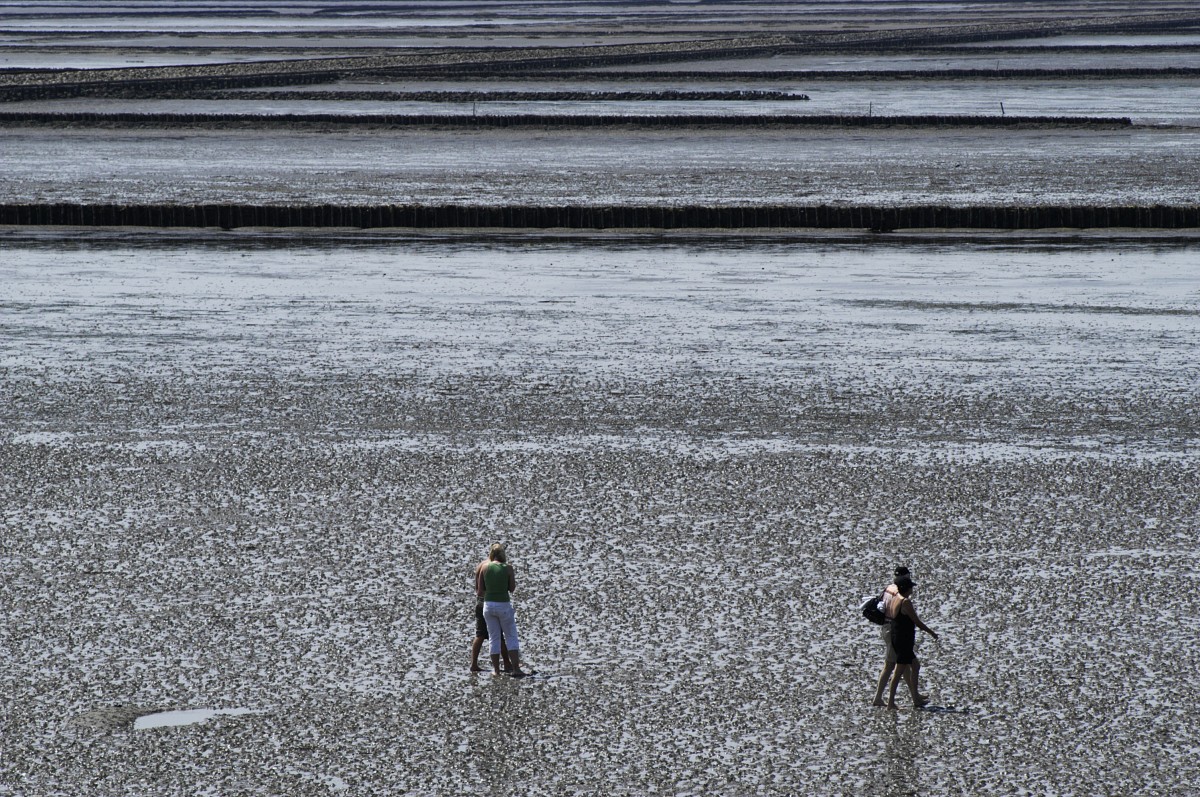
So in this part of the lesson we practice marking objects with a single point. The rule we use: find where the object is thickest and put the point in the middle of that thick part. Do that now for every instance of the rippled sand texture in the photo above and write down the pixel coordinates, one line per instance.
(253, 476)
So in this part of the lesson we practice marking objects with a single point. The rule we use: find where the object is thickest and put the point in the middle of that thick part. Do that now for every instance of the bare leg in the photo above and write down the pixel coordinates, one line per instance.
(476, 645)
(495, 664)
(910, 678)
(901, 672)
(888, 666)
(505, 655)
(514, 659)
(919, 698)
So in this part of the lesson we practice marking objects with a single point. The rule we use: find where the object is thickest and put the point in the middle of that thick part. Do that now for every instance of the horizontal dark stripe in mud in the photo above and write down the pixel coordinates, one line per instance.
(882, 219)
(835, 75)
(44, 84)
(494, 96)
(1021, 307)
(228, 120)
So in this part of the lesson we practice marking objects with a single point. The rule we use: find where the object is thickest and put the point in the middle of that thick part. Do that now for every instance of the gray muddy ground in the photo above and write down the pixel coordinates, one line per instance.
(245, 476)
(252, 474)
(697, 166)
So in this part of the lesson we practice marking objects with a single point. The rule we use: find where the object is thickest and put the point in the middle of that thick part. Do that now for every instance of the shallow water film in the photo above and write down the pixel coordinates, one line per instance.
(247, 477)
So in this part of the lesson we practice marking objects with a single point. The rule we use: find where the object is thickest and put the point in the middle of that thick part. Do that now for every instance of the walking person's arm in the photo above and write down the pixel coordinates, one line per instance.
(512, 579)
(910, 610)
(479, 588)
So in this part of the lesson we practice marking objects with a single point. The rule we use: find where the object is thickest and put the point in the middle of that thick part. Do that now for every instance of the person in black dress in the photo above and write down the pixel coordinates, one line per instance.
(905, 622)
(890, 596)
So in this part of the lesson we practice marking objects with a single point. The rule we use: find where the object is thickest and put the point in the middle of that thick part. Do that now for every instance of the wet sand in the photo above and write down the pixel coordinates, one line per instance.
(885, 167)
(252, 472)
(245, 476)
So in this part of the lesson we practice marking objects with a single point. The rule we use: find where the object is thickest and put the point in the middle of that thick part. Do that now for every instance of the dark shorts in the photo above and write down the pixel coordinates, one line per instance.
(480, 625)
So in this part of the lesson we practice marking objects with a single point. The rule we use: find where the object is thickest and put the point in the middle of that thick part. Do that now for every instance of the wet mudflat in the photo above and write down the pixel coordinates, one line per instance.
(1129, 61)
(250, 474)
(1145, 102)
(244, 476)
(719, 167)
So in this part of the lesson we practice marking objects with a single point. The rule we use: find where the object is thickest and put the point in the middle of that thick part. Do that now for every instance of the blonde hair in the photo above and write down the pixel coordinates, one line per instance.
(496, 554)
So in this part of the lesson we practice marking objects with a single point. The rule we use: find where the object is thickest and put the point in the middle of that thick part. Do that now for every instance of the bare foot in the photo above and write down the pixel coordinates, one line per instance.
(893, 707)
(879, 703)
(921, 701)
(476, 668)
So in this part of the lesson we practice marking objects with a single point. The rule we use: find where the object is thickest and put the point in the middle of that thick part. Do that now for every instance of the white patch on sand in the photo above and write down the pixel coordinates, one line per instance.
(169, 719)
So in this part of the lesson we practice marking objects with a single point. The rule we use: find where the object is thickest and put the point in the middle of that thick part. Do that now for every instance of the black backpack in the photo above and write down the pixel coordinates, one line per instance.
(873, 611)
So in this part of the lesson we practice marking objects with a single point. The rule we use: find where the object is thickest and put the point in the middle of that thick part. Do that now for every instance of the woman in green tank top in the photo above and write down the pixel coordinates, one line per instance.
(498, 581)
(494, 582)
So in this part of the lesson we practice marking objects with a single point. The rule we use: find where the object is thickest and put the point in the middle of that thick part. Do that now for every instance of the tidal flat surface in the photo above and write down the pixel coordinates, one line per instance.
(1144, 102)
(955, 166)
(246, 477)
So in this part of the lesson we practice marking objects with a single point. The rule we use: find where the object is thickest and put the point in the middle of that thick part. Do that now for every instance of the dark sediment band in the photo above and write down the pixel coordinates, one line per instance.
(233, 120)
(845, 75)
(283, 95)
(129, 87)
(630, 217)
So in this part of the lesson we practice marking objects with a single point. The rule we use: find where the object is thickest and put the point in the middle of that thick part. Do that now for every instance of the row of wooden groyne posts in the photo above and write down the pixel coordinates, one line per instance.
(491, 121)
(609, 217)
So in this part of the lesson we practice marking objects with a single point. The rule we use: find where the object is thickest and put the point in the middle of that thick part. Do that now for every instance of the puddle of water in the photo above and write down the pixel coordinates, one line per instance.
(171, 719)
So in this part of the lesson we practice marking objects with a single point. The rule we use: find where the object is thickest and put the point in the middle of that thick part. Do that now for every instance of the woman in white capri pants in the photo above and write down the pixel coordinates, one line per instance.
(495, 581)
